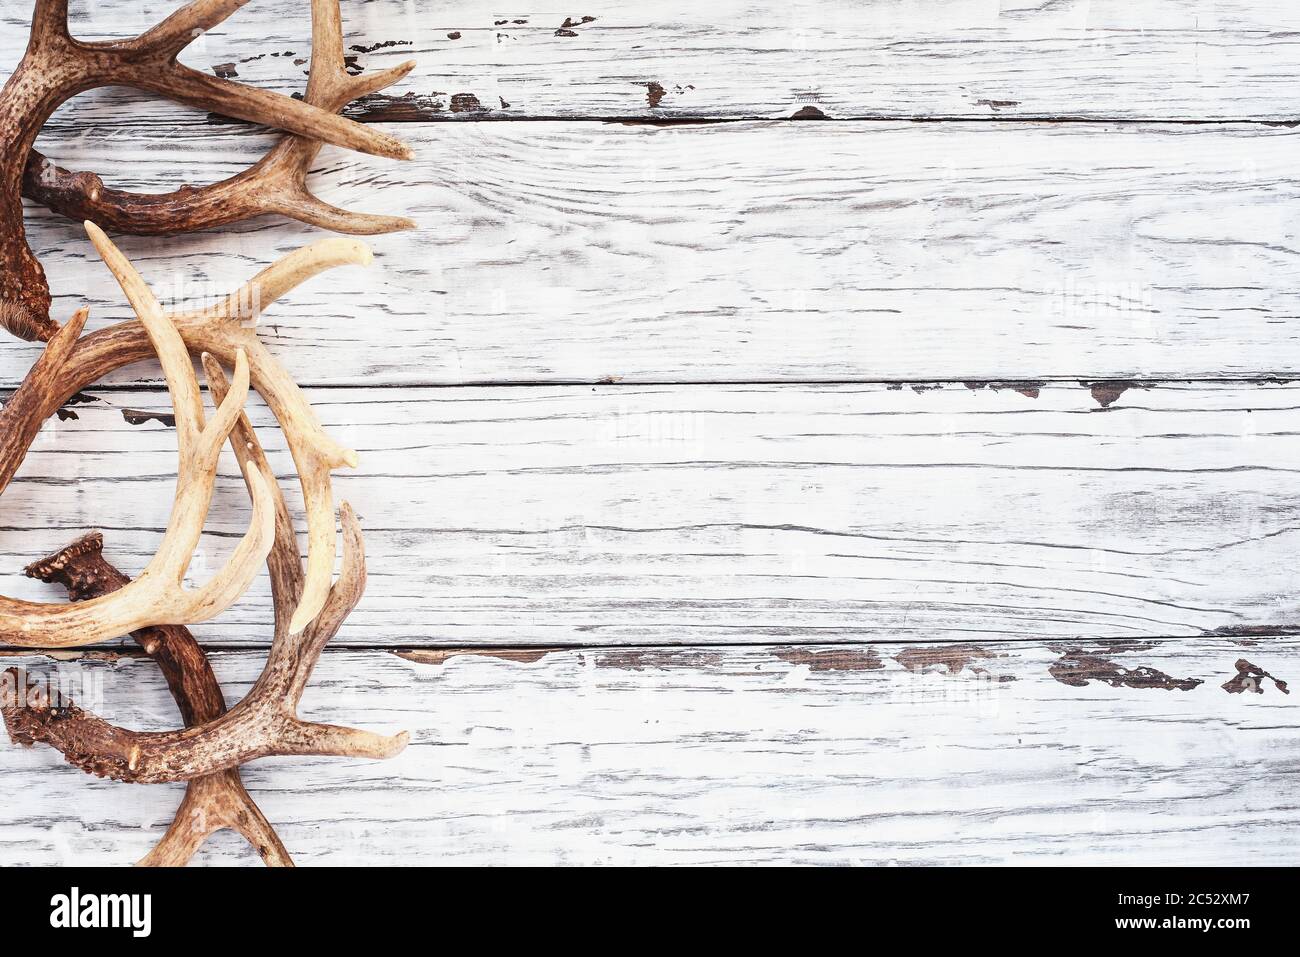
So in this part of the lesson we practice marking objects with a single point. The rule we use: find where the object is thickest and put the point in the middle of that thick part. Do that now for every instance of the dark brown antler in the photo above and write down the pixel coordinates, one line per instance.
(56, 67)
(212, 802)
(275, 184)
(265, 722)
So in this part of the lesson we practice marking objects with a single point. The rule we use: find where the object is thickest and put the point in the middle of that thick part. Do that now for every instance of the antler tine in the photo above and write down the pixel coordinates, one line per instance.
(246, 303)
(57, 66)
(275, 184)
(265, 722)
(186, 25)
(167, 343)
(212, 803)
(215, 801)
(50, 20)
(228, 98)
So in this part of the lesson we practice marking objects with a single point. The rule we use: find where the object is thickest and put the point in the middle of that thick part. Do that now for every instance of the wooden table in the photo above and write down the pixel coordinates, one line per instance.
(824, 431)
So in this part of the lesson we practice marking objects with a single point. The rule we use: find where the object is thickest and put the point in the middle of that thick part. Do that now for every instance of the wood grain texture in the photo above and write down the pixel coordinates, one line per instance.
(758, 251)
(692, 514)
(1179, 59)
(994, 754)
(1046, 617)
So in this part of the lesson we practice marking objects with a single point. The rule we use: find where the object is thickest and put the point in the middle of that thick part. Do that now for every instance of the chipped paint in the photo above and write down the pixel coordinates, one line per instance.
(566, 29)
(1077, 669)
(467, 103)
(140, 417)
(382, 45)
(1250, 677)
(1246, 633)
(952, 659)
(808, 113)
(1101, 646)
(1028, 388)
(831, 659)
(410, 107)
(644, 659)
(1107, 392)
(440, 656)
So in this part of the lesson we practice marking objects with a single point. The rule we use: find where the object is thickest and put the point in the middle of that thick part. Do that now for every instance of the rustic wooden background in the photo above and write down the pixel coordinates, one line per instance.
(824, 431)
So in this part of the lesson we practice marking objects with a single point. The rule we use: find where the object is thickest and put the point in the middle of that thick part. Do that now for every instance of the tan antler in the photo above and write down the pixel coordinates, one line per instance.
(265, 722)
(70, 364)
(158, 595)
(56, 66)
(212, 802)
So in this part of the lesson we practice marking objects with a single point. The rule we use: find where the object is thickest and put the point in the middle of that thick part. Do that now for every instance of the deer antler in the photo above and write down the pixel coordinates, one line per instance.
(225, 330)
(275, 184)
(265, 722)
(308, 608)
(159, 594)
(56, 67)
(212, 802)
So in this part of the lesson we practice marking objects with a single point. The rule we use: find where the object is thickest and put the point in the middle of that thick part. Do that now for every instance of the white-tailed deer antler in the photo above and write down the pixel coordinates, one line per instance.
(309, 608)
(70, 365)
(214, 801)
(158, 595)
(265, 722)
(275, 184)
(56, 66)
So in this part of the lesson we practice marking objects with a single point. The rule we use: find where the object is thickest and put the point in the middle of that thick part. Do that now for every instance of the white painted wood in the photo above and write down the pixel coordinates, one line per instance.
(685, 515)
(626, 519)
(736, 755)
(763, 251)
(1177, 59)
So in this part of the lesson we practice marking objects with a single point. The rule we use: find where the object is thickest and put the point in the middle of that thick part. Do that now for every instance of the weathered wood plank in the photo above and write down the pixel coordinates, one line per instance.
(688, 515)
(874, 754)
(575, 252)
(1181, 59)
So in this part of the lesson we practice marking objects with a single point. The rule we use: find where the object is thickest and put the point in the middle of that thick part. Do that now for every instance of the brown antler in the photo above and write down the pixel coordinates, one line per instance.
(212, 802)
(158, 594)
(225, 330)
(56, 67)
(275, 184)
(265, 722)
